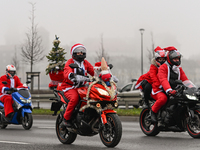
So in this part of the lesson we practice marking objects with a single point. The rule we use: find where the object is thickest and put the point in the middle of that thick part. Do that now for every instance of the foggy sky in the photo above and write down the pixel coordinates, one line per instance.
(173, 23)
(169, 22)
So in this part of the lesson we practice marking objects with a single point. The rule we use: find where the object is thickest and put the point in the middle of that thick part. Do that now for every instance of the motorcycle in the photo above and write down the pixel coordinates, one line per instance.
(22, 108)
(181, 112)
(93, 115)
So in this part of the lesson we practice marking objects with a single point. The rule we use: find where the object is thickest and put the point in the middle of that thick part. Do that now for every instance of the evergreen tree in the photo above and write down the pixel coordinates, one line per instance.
(56, 58)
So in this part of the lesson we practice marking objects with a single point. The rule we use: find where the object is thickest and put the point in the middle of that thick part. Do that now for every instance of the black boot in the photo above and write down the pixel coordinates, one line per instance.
(10, 116)
(153, 117)
(67, 123)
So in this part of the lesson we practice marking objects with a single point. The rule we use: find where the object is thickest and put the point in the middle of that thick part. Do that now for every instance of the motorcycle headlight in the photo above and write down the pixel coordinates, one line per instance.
(102, 92)
(25, 100)
(191, 97)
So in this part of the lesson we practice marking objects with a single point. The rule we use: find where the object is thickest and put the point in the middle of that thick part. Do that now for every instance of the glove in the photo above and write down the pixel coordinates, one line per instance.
(80, 78)
(172, 92)
(6, 89)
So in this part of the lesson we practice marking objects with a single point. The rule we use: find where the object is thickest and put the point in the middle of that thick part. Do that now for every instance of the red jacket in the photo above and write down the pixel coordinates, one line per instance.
(150, 76)
(11, 83)
(163, 75)
(67, 84)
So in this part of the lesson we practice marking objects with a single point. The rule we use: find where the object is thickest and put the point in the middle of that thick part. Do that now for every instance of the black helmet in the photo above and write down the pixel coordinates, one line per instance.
(173, 54)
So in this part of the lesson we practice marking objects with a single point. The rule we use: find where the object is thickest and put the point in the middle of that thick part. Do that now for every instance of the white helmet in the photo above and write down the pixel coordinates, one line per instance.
(10, 71)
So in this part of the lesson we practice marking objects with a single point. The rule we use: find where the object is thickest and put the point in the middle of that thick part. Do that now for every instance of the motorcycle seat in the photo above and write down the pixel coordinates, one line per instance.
(62, 94)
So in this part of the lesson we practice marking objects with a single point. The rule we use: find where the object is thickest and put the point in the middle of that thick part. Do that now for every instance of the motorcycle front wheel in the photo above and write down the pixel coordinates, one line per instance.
(148, 128)
(62, 133)
(111, 134)
(27, 121)
(193, 125)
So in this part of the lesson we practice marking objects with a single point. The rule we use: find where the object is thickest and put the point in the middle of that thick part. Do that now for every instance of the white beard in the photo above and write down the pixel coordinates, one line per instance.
(175, 69)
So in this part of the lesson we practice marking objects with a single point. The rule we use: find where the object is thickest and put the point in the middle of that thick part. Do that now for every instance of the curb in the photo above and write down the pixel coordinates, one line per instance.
(122, 118)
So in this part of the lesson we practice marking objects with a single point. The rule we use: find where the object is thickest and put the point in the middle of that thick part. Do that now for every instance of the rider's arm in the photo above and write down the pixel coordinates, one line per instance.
(18, 83)
(90, 68)
(183, 77)
(163, 77)
(153, 74)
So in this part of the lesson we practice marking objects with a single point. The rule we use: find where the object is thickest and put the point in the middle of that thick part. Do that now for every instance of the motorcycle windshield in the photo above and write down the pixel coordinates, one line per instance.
(25, 93)
(189, 84)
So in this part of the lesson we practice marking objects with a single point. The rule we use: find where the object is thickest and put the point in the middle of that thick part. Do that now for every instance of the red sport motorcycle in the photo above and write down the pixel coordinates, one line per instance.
(93, 115)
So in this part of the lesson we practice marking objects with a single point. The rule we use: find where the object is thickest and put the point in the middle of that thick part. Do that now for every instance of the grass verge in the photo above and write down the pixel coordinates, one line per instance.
(120, 112)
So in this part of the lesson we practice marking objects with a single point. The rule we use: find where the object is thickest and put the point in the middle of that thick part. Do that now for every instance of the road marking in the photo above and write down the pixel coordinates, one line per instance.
(46, 127)
(13, 142)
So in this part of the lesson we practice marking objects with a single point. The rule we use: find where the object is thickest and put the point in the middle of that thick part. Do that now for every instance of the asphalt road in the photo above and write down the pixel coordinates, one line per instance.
(43, 136)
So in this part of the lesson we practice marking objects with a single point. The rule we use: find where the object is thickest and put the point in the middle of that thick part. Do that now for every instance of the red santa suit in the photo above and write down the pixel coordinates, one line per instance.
(164, 77)
(70, 88)
(7, 98)
(145, 76)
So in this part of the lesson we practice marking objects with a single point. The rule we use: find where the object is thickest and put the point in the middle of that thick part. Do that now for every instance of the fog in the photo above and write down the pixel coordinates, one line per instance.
(166, 22)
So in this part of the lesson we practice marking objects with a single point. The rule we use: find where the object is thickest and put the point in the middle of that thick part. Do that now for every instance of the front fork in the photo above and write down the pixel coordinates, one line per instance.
(103, 115)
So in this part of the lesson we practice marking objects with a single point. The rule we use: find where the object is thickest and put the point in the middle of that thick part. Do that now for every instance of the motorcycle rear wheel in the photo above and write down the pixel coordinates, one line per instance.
(148, 128)
(193, 125)
(111, 136)
(27, 121)
(62, 133)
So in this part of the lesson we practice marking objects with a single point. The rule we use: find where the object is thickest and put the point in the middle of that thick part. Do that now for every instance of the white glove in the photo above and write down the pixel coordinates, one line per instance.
(80, 78)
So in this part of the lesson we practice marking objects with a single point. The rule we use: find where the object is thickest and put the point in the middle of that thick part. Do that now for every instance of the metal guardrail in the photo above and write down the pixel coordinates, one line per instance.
(38, 98)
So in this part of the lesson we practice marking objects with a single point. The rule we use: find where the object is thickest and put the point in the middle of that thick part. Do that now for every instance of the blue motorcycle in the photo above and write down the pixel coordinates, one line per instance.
(22, 108)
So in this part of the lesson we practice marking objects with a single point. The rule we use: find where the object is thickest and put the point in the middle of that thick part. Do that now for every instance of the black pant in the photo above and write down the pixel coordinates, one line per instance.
(146, 90)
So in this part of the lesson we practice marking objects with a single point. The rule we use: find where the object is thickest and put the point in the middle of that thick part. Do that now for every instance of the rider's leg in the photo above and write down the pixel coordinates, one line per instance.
(73, 97)
(7, 101)
(147, 92)
(161, 100)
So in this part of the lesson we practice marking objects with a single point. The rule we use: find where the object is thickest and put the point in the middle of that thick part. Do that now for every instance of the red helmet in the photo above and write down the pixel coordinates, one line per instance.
(10, 71)
(159, 53)
(173, 53)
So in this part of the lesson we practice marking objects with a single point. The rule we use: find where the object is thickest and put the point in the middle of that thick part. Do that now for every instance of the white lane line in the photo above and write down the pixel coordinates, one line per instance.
(46, 127)
(10, 142)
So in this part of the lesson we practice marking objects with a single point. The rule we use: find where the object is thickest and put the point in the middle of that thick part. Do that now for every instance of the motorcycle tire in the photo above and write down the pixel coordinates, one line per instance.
(62, 133)
(148, 128)
(193, 125)
(111, 134)
(27, 121)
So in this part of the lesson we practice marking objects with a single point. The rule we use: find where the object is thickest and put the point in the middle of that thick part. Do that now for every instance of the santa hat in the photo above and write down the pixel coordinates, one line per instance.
(170, 48)
(159, 52)
(158, 48)
(76, 46)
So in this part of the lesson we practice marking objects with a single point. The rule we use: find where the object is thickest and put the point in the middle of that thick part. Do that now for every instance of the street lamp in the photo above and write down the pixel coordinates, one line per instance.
(141, 31)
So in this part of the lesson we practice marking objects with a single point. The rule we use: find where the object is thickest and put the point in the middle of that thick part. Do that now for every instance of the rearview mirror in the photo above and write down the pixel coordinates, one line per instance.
(110, 66)
(132, 80)
(73, 66)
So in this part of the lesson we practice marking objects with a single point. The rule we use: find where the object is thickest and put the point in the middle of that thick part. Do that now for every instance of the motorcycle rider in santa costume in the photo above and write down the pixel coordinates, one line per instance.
(12, 82)
(167, 74)
(150, 80)
(72, 81)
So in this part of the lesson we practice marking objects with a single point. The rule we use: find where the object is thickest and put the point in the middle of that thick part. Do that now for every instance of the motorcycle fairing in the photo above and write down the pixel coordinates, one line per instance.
(14, 119)
(26, 110)
(16, 96)
(1, 104)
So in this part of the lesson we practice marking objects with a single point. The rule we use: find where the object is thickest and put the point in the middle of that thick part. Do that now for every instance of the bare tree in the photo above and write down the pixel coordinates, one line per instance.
(151, 50)
(15, 61)
(102, 53)
(32, 49)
